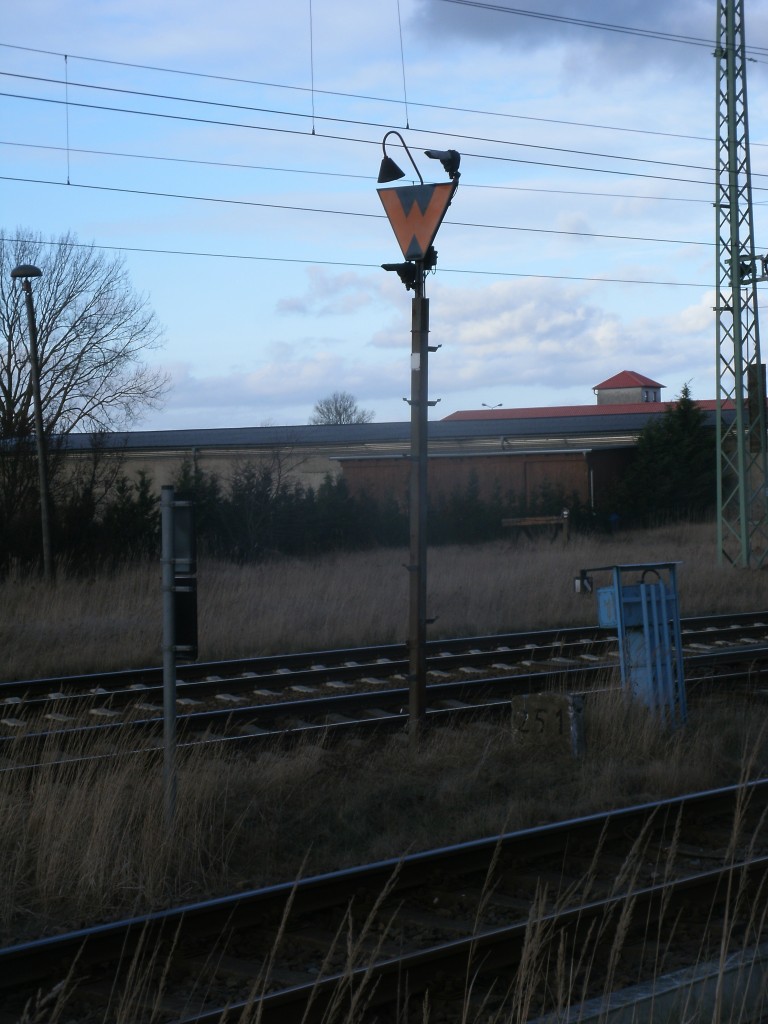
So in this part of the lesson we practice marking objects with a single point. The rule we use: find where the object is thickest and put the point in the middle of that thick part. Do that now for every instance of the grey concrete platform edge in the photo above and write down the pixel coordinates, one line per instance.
(690, 995)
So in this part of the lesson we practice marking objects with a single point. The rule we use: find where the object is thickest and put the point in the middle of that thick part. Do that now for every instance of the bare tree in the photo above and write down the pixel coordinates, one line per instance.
(340, 407)
(93, 332)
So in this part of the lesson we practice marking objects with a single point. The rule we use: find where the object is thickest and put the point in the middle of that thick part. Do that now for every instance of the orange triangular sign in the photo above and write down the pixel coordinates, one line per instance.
(415, 213)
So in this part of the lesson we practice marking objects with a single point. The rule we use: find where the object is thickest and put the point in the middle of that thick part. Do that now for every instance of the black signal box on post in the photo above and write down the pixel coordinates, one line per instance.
(179, 559)
(185, 613)
(185, 579)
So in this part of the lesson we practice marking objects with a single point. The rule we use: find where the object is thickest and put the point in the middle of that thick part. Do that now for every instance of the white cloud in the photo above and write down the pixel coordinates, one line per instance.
(536, 333)
(330, 294)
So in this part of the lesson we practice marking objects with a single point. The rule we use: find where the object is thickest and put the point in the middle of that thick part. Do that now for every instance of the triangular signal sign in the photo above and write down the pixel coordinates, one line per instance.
(415, 213)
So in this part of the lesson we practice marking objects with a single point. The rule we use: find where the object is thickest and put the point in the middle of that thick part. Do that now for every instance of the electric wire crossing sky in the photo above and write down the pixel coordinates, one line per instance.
(217, 164)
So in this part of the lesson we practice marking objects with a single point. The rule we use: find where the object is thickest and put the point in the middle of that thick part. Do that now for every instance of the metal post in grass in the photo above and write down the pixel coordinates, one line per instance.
(179, 561)
(23, 273)
(415, 213)
(169, 656)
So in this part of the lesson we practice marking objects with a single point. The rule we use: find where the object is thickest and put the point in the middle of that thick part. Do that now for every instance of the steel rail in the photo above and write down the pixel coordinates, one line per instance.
(483, 952)
(569, 663)
(714, 628)
(333, 717)
(699, 668)
(50, 958)
(320, 663)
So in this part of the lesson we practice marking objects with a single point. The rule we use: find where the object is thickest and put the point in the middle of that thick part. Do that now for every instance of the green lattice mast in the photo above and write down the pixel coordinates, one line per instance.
(742, 529)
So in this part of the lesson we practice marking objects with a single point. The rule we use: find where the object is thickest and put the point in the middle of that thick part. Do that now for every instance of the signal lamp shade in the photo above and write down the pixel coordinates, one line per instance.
(389, 171)
(26, 270)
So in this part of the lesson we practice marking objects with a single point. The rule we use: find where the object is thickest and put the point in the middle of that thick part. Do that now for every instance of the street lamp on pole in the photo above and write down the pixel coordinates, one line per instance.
(486, 406)
(389, 171)
(24, 272)
(415, 213)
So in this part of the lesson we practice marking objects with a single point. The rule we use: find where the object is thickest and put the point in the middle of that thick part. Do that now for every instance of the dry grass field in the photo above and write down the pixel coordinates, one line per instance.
(88, 843)
(109, 622)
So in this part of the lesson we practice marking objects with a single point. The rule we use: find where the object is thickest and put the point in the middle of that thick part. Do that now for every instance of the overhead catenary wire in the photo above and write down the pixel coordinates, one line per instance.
(453, 135)
(351, 213)
(468, 224)
(373, 266)
(536, 163)
(432, 133)
(66, 94)
(507, 115)
(632, 279)
(402, 65)
(311, 171)
(480, 156)
(357, 122)
(604, 26)
(312, 64)
(296, 114)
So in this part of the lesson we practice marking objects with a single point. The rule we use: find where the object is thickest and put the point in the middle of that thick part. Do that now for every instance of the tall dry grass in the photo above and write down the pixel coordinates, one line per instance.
(98, 623)
(88, 840)
(284, 814)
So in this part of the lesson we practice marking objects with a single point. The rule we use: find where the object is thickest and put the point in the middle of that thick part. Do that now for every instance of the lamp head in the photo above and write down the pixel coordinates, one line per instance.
(26, 270)
(389, 171)
(449, 158)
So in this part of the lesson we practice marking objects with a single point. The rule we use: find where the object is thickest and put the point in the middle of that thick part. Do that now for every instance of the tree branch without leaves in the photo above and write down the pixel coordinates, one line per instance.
(339, 408)
(93, 334)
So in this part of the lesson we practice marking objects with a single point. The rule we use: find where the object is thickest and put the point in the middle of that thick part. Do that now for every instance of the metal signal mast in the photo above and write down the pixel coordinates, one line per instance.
(742, 530)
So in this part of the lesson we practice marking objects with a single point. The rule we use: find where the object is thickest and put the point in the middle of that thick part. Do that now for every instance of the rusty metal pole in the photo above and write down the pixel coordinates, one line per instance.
(415, 213)
(419, 403)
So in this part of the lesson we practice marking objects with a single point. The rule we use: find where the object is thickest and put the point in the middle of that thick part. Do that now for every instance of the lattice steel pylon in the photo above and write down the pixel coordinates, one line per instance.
(742, 528)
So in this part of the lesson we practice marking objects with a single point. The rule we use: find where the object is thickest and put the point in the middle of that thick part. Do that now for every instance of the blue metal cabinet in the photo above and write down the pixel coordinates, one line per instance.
(645, 614)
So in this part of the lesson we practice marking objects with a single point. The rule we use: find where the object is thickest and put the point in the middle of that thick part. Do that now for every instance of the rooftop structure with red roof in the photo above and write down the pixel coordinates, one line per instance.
(628, 386)
(566, 411)
(624, 393)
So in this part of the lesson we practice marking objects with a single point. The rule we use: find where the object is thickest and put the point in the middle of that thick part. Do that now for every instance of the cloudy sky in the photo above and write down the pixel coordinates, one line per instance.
(230, 152)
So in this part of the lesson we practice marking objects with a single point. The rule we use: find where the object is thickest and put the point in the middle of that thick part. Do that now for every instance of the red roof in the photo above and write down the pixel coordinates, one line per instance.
(627, 379)
(555, 411)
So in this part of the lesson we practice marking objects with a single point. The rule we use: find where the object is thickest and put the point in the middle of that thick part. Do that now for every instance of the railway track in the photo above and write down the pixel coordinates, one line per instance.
(333, 691)
(703, 632)
(527, 923)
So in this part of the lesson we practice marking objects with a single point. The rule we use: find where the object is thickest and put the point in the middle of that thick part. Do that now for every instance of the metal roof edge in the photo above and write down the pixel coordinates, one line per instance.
(611, 421)
(399, 456)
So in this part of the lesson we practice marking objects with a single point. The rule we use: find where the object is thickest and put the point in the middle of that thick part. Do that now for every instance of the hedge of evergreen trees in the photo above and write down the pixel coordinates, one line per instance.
(252, 515)
(102, 518)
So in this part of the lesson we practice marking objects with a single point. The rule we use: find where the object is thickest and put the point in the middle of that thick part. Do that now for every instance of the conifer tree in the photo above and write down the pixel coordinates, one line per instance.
(673, 474)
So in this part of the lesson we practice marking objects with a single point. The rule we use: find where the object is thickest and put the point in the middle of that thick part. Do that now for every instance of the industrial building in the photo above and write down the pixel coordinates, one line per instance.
(578, 449)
